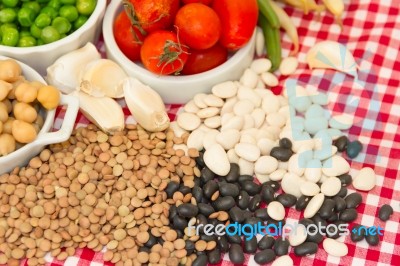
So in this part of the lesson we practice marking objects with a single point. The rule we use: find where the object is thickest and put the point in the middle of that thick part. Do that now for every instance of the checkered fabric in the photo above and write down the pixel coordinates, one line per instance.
(371, 30)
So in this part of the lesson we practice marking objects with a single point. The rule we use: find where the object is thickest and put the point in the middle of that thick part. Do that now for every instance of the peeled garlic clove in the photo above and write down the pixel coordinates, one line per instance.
(105, 112)
(146, 105)
(332, 55)
(64, 73)
(102, 77)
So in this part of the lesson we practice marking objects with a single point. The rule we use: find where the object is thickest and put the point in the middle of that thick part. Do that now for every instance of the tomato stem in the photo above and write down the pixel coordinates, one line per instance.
(130, 11)
(169, 56)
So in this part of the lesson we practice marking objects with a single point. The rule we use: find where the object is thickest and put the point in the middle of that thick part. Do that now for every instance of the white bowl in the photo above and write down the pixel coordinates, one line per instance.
(40, 57)
(22, 156)
(171, 88)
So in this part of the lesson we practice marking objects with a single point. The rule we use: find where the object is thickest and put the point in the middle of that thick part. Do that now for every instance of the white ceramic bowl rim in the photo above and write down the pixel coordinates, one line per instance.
(45, 47)
(109, 38)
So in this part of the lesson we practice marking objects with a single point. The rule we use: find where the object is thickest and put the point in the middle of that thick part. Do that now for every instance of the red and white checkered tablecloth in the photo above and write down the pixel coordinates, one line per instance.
(371, 30)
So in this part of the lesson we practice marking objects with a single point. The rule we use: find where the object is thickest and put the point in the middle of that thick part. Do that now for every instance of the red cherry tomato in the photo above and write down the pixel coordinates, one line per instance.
(162, 53)
(239, 19)
(203, 60)
(206, 2)
(198, 26)
(128, 38)
(151, 15)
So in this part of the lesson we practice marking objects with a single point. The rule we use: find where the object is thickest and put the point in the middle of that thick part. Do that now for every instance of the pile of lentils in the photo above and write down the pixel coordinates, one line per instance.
(97, 191)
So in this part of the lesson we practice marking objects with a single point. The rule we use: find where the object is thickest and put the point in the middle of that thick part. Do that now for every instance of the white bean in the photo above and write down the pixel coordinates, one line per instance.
(243, 107)
(365, 180)
(232, 156)
(191, 107)
(228, 138)
(228, 105)
(260, 42)
(199, 100)
(269, 79)
(216, 160)
(261, 65)
(248, 122)
(213, 101)
(245, 93)
(195, 139)
(249, 78)
(247, 151)
(246, 167)
(235, 123)
(225, 89)
(213, 122)
(188, 121)
(288, 65)
(208, 112)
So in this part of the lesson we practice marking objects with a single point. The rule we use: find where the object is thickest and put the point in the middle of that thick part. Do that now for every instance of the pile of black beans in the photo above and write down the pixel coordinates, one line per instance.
(352, 148)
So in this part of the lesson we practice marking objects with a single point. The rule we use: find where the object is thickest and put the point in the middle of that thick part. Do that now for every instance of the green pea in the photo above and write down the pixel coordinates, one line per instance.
(56, 4)
(62, 25)
(36, 31)
(69, 12)
(10, 37)
(26, 41)
(50, 34)
(24, 33)
(68, 2)
(40, 42)
(86, 7)
(80, 21)
(35, 6)
(10, 3)
(43, 20)
(50, 11)
(5, 26)
(7, 15)
(26, 16)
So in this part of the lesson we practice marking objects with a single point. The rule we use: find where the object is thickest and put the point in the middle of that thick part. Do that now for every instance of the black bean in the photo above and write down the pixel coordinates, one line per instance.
(205, 209)
(281, 154)
(179, 222)
(285, 143)
(287, 200)
(171, 188)
(302, 203)
(223, 244)
(228, 189)
(206, 175)
(348, 215)
(214, 222)
(266, 242)
(184, 189)
(385, 212)
(262, 214)
(250, 245)
(327, 208)
(188, 210)
(252, 220)
(353, 149)
(345, 179)
(234, 239)
(160, 241)
(250, 187)
(233, 174)
(197, 193)
(200, 160)
(342, 193)
(243, 178)
(315, 237)
(306, 222)
(201, 219)
(341, 143)
(197, 182)
(274, 184)
(236, 214)
(281, 246)
(333, 218)
(173, 210)
(265, 256)
(214, 256)
(319, 221)
(340, 204)
(332, 230)
(224, 203)
(236, 254)
(254, 203)
(276, 223)
(210, 188)
(267, 194)
(357, 234)
(353, 200)
(243, 200)
(208, 238)
(201, 260)
(180, 233)
(372, 239)
(306, 249)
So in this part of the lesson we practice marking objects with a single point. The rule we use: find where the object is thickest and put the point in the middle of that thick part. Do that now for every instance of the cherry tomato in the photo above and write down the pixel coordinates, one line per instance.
(198, 26)
(239, 19)
(206, 2)
(128, 38)
(162, 53)
(151, 15)
(203, 60)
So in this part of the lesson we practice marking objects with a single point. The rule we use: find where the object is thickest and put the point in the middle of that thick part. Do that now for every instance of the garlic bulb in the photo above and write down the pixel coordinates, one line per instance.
(101, 78)
(64, 73)
(332, 55)
(105, 112)
(146, 105)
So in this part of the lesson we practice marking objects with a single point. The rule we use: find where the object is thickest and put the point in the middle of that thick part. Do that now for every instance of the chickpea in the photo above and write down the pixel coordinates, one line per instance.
(49, 97)
(5, 88)
(10, 70)
(26, 93)
(3, 115)
(23, 132)
(25, 112)
(7, 105)
(7, 144)
(37, 84)
(7, 126)
(1, 127)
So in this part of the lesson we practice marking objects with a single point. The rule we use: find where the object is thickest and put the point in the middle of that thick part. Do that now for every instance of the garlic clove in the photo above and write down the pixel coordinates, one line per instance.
(101, 78)
(146, 105)
(332, 55)
(64, 73)
(105, 112)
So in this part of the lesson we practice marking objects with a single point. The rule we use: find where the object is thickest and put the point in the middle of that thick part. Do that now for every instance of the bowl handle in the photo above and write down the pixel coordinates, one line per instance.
(67, 126)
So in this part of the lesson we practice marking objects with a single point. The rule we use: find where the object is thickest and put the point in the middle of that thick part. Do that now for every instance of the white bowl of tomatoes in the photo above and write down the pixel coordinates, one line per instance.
(180, 48)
